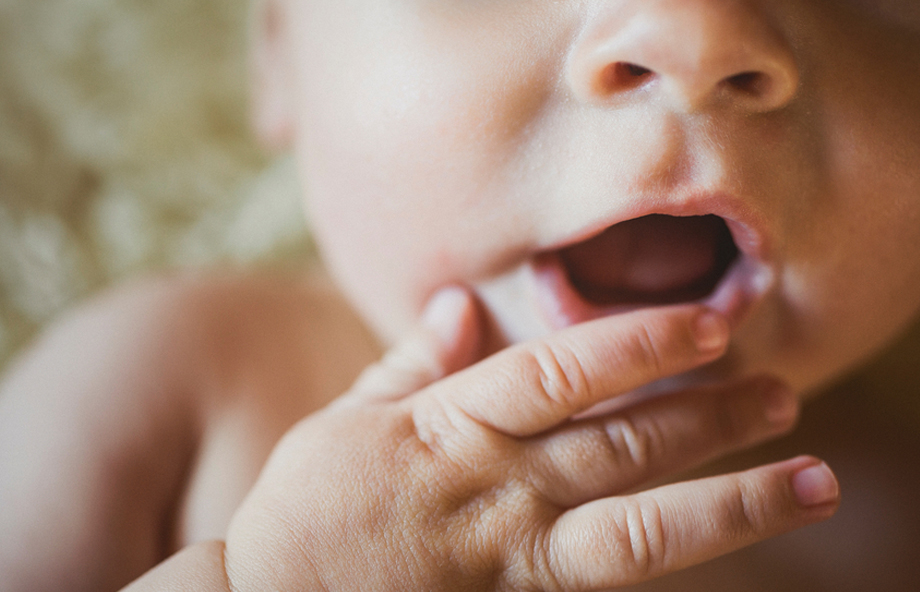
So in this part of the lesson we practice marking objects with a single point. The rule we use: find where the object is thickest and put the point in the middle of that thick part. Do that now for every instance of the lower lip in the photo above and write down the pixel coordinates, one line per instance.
(561, 306)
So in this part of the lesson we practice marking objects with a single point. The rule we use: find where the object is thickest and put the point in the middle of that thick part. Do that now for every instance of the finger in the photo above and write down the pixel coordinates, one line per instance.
(446, 341)
(608, 455)
(533, 387)
(621, 541)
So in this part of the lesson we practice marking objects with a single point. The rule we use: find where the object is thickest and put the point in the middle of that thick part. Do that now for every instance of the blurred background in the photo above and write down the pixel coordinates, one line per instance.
(125, 146)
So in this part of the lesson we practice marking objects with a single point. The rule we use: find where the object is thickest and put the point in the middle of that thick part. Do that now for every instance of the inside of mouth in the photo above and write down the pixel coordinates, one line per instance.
(655, 259)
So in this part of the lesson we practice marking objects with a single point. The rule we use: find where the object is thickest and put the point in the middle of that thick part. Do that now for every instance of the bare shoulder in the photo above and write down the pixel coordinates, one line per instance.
(83, 485)
(199, 334)
(188, 333)
(295, 331)
(112, 421)
(271, 350)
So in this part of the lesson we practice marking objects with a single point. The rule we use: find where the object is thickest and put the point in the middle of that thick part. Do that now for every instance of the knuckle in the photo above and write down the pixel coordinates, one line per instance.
(450, 435)
(644, 350)
(561, 375)
(513, 524)
(747, 513)
(543, 568)
(443, 429)
(640, 536)
(633, 443)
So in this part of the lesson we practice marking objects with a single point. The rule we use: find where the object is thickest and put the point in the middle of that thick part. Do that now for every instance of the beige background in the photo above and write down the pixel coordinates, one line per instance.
(125, 146)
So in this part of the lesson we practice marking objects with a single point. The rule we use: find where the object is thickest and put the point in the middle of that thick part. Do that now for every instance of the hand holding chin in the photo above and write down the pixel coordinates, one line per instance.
(438, 471)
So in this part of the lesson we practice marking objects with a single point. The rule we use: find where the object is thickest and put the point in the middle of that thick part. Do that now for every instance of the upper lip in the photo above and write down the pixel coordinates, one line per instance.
(748, 227)
(744, 284)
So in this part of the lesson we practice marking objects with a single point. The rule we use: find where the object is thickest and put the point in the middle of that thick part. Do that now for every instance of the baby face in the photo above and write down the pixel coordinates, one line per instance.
(570, 159)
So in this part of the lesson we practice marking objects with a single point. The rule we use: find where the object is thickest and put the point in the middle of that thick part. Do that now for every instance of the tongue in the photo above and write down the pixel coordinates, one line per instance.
(656, 259)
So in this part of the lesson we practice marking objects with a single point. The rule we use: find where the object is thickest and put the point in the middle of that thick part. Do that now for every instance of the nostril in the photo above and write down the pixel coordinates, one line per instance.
(623, 76)
(749, 83)
(635, 71)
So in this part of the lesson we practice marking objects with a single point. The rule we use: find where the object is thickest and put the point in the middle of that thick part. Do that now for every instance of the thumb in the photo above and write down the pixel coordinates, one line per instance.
(447, 339)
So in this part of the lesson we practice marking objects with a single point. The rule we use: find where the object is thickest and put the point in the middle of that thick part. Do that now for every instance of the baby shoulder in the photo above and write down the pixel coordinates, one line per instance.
(95, 437)
(139, 404)
(194, 336)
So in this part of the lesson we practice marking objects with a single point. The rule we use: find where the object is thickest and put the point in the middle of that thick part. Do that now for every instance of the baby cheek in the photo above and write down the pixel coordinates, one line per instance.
(388, 263)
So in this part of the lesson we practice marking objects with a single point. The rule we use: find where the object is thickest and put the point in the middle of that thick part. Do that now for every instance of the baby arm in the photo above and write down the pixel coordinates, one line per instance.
(95, 437)
(482, 480)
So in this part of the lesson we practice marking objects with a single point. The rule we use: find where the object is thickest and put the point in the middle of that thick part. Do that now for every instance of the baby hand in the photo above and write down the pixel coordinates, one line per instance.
(433, 476)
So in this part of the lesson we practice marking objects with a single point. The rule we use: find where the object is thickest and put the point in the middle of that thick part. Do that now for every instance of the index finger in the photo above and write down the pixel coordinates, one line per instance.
(533, 387)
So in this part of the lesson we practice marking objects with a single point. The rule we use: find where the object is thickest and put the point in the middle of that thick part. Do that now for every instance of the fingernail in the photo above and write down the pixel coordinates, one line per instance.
(781, 406)
(443, 311)
(711, 331)
(815, 486)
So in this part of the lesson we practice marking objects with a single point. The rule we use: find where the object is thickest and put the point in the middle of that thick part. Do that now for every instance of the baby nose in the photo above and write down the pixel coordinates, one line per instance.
(693, 54)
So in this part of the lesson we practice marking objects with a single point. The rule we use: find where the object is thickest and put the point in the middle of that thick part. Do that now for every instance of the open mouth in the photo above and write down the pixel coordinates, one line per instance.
(653, 260)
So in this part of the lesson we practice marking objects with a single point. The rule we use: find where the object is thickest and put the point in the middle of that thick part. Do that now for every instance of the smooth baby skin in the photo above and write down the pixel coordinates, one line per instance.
(452, 142)
(472, 144)
(138, 423)
(479, 481)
